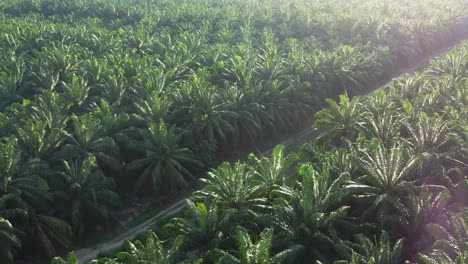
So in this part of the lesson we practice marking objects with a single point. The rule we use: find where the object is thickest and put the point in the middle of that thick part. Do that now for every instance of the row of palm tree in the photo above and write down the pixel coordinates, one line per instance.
(387, 190)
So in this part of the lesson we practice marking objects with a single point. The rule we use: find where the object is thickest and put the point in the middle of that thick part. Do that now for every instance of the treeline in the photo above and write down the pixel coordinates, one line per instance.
(103, 98)
(385, 183)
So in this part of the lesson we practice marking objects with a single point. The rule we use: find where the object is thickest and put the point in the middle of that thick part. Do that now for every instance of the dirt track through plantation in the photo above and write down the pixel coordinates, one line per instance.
(304, 135)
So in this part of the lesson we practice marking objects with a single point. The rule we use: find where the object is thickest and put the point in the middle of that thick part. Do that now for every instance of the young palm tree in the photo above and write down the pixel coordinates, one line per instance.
(165, 162)
(115, 89)
(52, 109)
(113, 123)
(57, 64)
(441, 257)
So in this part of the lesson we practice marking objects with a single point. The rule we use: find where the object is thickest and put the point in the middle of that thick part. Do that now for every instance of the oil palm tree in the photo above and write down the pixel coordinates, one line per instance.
(115, 88)
(165, 162)
(9, 243)
(71, 259)
(451, 245)
(341, 121)
(18, 177)
(275, 97)
(441, 257)
(387, 180)
(154, 106)
(49, 232)
(52, 109)
(201, 110)
(249, 114)
(381, 252)
(29, 193)
(86, 193)
(385, 126)
(78, 92)
(313, 214)
(276, 168)
(259, 252)
(235, 187)
(89, 138)
(112, 122)
(12, 82)
(151, 251)
(432, 137)
(203, 225)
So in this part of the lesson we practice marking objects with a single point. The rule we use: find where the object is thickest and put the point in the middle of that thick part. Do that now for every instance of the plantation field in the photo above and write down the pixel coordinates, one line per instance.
(102, 102)
(386, 183)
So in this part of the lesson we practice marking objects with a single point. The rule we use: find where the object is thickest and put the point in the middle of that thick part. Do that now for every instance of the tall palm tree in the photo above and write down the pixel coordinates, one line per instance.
(164, 161)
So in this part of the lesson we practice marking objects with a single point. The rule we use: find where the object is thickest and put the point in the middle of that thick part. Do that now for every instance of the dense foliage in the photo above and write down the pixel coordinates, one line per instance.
(389, 187)
(103, 98)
